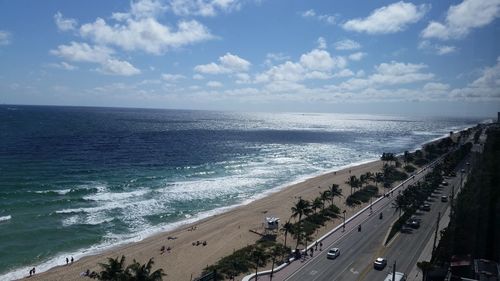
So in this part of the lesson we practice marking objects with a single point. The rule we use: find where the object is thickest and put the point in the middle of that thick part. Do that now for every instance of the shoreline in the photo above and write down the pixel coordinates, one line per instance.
(131, 247)
(234, 222)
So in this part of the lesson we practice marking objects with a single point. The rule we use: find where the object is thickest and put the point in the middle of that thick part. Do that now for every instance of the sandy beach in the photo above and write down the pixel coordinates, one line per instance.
(223, 233)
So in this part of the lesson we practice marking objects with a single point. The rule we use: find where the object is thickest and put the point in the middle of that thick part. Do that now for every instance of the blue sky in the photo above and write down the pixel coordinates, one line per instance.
(425, 58)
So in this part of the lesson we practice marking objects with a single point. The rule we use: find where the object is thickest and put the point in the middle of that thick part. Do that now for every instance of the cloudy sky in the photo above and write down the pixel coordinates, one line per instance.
(420, 57)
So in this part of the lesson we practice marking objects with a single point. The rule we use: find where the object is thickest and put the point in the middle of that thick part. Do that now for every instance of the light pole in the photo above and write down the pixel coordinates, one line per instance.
(343, 226)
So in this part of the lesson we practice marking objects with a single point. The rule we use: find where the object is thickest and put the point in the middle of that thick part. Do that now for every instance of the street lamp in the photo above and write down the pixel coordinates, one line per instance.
(343, 226)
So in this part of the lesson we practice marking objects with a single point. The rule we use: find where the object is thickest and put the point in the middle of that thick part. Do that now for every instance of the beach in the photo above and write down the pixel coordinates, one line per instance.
(223, 233)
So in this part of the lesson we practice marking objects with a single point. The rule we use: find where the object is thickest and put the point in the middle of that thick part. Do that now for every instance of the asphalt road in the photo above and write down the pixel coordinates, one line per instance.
(358, 250)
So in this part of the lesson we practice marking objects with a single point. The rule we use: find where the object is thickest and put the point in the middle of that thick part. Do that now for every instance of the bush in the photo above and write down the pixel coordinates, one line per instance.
(362, 195)
(409, 168)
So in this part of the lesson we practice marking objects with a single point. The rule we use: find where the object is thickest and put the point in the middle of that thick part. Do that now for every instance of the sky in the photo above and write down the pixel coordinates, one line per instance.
(385, 57)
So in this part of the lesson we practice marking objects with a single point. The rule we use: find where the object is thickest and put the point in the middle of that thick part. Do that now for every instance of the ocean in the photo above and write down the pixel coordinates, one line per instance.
(78, 180)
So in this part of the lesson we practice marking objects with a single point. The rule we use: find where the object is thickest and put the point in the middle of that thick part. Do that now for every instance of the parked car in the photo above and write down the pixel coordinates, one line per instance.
(379, 263)
(426, 207)
(413, 223)
(444, 198)
(333, 253)
(406, 229)
(445, 183)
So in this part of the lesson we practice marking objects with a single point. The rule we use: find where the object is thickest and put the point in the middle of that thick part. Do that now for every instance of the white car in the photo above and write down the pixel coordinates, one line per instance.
(379, 263)
(333, 253)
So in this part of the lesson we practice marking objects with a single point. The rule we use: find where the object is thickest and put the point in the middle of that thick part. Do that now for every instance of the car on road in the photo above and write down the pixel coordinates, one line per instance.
(426, 207)
(413, 223)
(444, 198)
(406, 229)
(445, 183)
(379, 263)
(333, 253)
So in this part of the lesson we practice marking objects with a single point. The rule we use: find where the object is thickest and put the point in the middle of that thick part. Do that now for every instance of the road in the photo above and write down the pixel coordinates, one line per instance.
(359, 249)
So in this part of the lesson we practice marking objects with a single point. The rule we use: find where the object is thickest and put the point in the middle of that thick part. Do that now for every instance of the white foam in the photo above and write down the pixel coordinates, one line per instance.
(58, 191)
(5, 218)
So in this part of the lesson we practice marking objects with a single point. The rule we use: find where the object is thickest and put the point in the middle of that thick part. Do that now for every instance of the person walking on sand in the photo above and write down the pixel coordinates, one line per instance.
(67, 260)
(72, 260)
(33, 271)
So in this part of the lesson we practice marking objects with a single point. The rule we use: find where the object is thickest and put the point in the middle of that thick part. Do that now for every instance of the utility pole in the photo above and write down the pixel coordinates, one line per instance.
(343, 226)
(394, 272)
(435, 235)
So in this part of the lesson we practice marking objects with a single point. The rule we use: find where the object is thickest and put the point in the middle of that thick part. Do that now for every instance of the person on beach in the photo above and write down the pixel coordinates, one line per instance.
(31, 272)
(67, 261)
(72, 260)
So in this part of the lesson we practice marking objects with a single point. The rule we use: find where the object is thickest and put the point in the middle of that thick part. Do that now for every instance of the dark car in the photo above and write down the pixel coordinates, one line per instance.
(379, 263)
(445, 183)
(413, 223)
(444, 198)
(406, 229)
(426, 207)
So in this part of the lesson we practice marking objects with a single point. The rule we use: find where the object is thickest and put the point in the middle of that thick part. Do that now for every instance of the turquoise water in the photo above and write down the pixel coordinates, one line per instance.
(74, 181)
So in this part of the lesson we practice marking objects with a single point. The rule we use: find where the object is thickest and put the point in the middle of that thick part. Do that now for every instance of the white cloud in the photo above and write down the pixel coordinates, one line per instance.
(206, 8)
(462, 18)
(243, 78)
(275, 57)
(4, 38)
(172, 77)
(309, 13)
(328, 19)
(145, 34)
(486, 87)
(214, 84)
(321, 60)
(198, 77)
(228, 63)
(82, 52)
(344, 73)
(437, 48)
(357, 56)
(321, 43)
(436, 87)
(388, 19)
(387, 74)
(347, 44)
(63, 65)
(118, 67)
(64, 24)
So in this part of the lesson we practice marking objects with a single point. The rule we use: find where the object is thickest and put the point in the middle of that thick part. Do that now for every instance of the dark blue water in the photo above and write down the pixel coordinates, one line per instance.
(83, 179)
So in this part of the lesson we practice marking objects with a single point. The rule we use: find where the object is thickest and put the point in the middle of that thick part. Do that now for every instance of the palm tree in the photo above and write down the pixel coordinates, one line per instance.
(334, 191)
(143, 272)
(353, 182)
(259, 258)
(113, 270)
(379, 177)
(286, 228)
(317, 204)
(301, 208)
(401, 203)
(325, 196)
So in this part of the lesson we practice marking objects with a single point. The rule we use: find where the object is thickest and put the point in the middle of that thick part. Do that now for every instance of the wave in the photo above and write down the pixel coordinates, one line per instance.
(5, 218)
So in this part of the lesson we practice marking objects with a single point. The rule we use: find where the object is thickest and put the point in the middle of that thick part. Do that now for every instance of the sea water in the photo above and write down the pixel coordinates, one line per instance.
(78, 180)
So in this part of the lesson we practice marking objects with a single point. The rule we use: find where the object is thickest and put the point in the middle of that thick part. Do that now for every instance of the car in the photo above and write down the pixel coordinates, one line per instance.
(445, 183)
(413, 223)
(406, 229)
(379, 263)
(426, 207)
(444, 198)
(333, 253)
